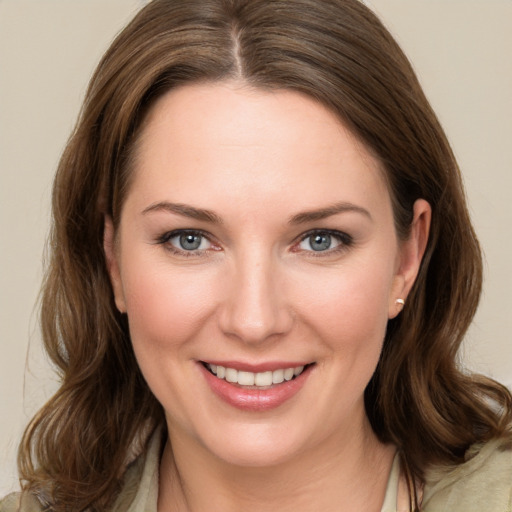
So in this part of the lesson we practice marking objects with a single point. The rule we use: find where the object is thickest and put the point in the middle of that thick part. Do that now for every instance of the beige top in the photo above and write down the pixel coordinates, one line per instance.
(482, 484)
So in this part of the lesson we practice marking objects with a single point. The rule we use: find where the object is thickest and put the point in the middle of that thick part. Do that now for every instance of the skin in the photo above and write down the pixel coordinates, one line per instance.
(257, 292)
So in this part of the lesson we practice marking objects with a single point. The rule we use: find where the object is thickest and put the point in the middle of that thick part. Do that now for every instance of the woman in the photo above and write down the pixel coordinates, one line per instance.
(262, 269)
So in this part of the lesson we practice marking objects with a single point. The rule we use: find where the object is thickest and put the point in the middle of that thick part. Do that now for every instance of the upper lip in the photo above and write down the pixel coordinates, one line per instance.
(266, 366)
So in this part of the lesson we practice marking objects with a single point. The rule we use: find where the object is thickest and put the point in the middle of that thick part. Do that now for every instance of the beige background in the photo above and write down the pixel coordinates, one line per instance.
(461, 49)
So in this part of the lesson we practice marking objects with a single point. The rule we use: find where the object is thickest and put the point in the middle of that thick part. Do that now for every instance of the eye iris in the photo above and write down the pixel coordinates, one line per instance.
(190, 242)
(320, 242)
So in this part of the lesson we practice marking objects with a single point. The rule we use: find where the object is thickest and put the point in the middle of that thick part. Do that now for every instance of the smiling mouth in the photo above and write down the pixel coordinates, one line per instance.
(252, 380)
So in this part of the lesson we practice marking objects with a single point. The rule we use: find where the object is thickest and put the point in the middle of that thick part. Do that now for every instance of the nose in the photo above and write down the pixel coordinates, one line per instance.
(255, 308)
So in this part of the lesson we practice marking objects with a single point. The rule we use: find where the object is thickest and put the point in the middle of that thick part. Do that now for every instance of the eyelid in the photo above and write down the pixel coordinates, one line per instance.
(165, 238)
(345, 241)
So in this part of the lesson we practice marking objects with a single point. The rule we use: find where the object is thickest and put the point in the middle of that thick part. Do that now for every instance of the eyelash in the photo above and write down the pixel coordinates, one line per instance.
(344, 239)
(166, 237)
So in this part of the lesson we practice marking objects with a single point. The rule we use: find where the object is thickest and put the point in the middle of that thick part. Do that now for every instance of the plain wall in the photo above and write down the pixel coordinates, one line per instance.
(461, 50)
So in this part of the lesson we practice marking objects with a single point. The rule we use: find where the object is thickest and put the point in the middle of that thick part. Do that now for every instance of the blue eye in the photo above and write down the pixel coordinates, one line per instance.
(187, 241)
(324, 241)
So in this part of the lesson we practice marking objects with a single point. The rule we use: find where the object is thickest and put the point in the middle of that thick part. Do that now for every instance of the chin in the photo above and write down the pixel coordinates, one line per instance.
(256, 456)
(257, 446)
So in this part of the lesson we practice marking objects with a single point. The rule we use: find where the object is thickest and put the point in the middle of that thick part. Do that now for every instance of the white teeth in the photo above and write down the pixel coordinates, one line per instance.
(288, 373)
(277, 376)
(260, 379)
(246, 378)
(231, 375)
(263, 379)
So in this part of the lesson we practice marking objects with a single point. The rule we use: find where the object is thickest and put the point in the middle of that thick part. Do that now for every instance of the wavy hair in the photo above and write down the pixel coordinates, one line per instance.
(74, 451)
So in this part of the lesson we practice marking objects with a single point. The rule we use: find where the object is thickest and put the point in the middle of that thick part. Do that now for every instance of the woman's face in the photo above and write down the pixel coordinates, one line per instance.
(257, 241)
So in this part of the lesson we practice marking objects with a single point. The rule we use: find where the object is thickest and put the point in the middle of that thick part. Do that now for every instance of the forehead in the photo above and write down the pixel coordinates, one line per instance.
(199, 141)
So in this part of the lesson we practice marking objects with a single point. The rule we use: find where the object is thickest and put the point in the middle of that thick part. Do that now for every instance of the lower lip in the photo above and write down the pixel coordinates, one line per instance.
(255, 399)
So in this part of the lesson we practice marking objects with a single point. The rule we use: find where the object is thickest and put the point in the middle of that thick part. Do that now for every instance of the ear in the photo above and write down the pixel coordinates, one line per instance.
(410, 255)
(109, 246)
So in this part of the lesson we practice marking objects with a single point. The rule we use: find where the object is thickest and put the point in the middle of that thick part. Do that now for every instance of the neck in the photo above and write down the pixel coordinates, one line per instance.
(342, 474)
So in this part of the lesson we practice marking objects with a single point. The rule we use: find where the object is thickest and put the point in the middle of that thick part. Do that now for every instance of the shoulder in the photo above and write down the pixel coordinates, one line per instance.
(18, 502)
(139, 485)
(482, 483)
(140, 482)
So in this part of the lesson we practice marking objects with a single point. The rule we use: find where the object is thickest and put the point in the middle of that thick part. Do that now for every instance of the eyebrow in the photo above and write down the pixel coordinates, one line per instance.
(323, 213)
(185, 211)
(209, 216)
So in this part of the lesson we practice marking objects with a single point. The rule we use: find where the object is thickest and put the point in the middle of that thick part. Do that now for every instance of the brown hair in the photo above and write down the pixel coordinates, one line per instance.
(337, 52)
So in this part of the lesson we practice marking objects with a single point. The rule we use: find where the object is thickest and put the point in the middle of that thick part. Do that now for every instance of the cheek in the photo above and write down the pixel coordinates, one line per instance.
(165, 305)
(344, 310)
(348, 309)
(350, 298)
